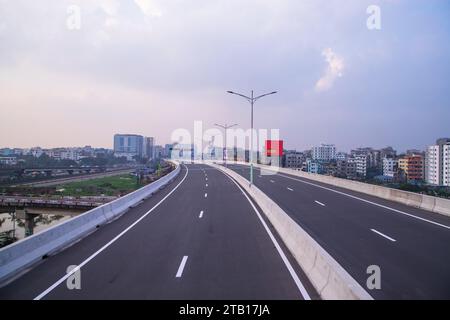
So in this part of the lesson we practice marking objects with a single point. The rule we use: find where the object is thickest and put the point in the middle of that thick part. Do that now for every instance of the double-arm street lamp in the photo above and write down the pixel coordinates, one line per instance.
(225, 127)
(252, 100)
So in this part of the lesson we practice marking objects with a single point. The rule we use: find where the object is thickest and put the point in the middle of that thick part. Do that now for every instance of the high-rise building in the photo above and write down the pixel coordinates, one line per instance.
(324, 152)
(362, 163)
(149, 147)
(390, 166)
(446, 165)
(346, 168)
(415, 168)
(432, 174)
(128, 145)
(293, 159)
(437, 170)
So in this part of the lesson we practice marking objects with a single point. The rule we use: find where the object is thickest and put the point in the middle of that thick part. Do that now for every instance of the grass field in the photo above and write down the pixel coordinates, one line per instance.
(109, 186)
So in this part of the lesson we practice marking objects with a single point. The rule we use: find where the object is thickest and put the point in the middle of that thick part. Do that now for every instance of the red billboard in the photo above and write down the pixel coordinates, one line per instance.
(274, 148)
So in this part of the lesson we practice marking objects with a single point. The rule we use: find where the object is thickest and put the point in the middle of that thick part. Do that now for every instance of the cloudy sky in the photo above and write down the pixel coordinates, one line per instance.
(151, 66)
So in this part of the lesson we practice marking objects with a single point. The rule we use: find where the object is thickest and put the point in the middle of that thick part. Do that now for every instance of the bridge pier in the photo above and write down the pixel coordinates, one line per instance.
(29, 220)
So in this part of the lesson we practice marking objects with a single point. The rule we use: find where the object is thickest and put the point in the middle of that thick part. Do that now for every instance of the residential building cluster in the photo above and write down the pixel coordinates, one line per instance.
(431, 166)
(132, 147)
(385, 165)
(11, 156)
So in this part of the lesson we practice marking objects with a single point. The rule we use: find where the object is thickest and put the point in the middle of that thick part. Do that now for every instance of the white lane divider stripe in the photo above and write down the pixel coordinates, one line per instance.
(206, 195)
(290, 189)
(319, 203)
(57, 283)
(201, 214)
(181, 267)
(288, 265)
(383, 235)
(272, 181)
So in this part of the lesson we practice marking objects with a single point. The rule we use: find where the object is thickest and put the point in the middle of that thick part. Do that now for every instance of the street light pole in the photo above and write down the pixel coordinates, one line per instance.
(226, 127)
(252, 101)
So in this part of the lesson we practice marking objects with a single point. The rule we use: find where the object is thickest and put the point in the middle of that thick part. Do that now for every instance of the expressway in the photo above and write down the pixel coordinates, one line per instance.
(411, 246)
(201, 237)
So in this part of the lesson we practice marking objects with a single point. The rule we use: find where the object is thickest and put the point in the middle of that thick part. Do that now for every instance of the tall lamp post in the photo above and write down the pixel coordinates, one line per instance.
(225, 127)
(252, 101)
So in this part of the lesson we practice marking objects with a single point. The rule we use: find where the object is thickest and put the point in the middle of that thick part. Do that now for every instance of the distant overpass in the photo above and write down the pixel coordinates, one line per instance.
(7, 171)
(19, 202)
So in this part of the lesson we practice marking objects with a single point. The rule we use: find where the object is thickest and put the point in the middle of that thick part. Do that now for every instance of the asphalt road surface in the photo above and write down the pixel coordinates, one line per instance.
(411, 246)
(199, 238)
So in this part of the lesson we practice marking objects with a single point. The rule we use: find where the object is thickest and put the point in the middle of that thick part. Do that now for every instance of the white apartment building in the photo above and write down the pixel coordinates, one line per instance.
(362, 162)
(446, 165)
(437, 163)
(390, 166)
(324, 152)
(432, 174)
(70, 154)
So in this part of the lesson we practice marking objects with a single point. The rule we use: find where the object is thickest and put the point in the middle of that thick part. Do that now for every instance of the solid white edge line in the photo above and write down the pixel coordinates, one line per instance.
(319, 203)
(294, 275)
(368, 201)
(57, 283)
(383, 235)
(181, 267)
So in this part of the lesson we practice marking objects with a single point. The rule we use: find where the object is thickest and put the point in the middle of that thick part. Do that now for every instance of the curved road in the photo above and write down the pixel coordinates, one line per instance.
(199, 238)
(411, 246)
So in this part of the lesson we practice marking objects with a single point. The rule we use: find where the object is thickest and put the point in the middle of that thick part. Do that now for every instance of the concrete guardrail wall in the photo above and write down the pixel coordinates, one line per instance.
(330, 280)
(21, 255)
(425, 202)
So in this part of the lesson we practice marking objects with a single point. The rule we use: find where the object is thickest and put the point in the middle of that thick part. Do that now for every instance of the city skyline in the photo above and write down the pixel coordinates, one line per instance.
(286, 146)
(338, 81)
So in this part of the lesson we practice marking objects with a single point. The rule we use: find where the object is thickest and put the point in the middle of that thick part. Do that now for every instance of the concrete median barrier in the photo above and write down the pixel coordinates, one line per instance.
(21, 255)
(329, 279)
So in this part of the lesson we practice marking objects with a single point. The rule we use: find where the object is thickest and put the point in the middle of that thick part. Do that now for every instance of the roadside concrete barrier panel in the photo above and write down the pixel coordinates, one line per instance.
(433, 204)
(329, 279)
(442, 206)
(428, 203)
(20, 255)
